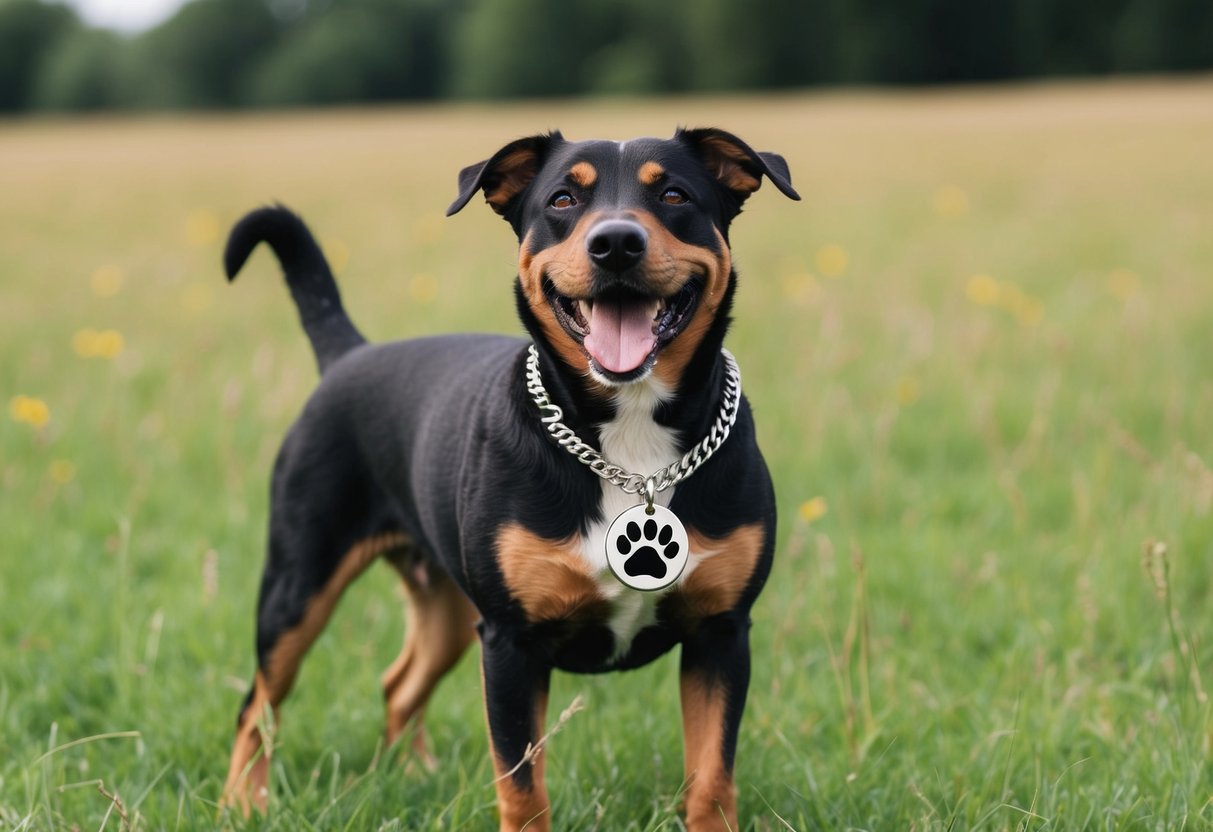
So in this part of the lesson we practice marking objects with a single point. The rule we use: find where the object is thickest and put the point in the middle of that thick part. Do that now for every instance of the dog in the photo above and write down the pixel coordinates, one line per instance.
(490, 472)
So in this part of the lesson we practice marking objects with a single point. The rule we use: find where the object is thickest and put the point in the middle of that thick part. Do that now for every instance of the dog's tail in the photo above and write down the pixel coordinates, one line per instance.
(325, 321)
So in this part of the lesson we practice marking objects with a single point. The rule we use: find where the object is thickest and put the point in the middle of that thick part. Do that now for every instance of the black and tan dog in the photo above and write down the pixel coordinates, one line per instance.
(431, 454)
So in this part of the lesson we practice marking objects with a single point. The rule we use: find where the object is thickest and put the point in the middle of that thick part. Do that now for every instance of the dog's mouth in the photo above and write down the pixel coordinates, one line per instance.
(622, 330)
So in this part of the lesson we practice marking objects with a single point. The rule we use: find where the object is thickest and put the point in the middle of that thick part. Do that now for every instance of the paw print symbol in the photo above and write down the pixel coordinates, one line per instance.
(646, 560)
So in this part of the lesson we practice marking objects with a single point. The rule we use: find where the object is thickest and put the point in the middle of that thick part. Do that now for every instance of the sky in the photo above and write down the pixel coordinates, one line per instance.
(125, 15)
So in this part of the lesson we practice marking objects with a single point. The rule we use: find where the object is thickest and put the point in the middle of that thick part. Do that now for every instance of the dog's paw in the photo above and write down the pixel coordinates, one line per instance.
(646, 560)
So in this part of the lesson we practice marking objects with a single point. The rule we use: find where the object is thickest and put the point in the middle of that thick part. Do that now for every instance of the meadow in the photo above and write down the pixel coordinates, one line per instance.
(979, 353)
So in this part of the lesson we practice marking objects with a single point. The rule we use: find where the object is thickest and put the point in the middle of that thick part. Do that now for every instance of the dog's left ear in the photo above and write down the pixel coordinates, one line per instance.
(506, 174)
(735, 164)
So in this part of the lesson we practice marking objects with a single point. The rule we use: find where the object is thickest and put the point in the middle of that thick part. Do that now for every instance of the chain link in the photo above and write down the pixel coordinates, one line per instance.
(662, 479)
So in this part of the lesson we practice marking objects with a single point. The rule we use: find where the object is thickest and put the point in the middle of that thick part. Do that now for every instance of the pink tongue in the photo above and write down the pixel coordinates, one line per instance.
(621, 334)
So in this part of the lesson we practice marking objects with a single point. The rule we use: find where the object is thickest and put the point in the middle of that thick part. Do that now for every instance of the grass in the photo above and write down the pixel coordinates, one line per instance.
(979, 353)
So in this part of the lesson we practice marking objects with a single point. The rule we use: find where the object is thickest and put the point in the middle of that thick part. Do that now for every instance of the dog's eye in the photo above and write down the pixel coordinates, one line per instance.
(564, 199)
(673, 196)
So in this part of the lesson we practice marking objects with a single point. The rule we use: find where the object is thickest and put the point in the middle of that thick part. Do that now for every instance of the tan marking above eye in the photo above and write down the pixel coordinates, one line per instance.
(650, 173)
(584, 174)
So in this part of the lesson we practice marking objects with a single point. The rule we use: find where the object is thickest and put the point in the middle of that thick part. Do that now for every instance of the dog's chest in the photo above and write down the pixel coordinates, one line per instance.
(636, 443)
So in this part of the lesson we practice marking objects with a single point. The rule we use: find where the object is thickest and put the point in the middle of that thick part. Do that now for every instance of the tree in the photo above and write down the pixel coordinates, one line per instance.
(28, 30)
(510, 48)
(81, 71)
(205, 54)
(361, 50)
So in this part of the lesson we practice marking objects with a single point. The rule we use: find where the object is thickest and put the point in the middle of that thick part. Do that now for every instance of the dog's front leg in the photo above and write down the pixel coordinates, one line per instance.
(715, 676)
(515, 702)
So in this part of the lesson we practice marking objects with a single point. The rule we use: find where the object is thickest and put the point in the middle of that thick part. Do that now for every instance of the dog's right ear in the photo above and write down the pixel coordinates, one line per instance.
(506, 174)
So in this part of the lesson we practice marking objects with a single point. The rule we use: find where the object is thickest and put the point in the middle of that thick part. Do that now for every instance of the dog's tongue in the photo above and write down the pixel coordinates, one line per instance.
(621, 334)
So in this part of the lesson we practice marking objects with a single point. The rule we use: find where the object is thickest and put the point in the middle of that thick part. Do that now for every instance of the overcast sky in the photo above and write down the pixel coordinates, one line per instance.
(125, 15)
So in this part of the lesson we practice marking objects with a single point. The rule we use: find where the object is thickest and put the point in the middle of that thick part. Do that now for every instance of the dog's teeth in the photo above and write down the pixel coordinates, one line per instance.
(658, 309)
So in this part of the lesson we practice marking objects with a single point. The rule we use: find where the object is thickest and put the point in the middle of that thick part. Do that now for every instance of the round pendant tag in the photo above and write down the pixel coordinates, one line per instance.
(647, 551)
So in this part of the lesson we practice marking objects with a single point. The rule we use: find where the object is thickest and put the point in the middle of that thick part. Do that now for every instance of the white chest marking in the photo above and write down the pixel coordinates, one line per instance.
(635, 442)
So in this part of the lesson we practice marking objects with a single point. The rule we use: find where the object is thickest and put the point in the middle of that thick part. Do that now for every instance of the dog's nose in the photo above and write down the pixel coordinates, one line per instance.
(617, 245)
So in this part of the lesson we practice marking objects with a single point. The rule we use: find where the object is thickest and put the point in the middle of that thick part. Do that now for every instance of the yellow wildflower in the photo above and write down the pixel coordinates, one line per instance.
(832, 260)
(1029, 311)
(83, 342)
(1123, 284)
(986, 291)
(109, 343)
(907, 391)
(62, 471)
(202, 228)
(950, 201)
(813, 509)
(1026, 309)
(92, 343)
(423, 288)
(107, 281)
(982, 289)
(30, 410)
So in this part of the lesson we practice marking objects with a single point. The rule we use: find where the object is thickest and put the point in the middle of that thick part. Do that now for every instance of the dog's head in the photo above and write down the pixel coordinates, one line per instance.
(624, 265)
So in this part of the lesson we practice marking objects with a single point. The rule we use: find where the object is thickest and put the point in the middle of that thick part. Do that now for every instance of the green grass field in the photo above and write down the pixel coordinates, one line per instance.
(979, 351)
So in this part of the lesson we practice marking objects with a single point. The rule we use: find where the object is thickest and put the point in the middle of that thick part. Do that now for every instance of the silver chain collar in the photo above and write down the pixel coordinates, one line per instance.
(668, 476)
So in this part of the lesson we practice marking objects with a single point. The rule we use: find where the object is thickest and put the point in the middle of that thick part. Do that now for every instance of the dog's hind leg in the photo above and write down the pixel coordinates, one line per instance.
(298, 595)
(440, 623)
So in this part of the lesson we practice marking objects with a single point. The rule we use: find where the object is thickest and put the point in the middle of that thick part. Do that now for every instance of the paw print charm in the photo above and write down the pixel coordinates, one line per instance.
(647, 551)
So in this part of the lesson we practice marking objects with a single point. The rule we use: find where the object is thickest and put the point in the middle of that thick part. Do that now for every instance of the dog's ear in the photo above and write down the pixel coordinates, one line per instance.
(506, 174)
(735, 164)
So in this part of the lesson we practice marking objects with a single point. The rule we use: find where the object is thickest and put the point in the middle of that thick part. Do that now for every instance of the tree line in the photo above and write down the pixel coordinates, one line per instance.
(250, 53)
